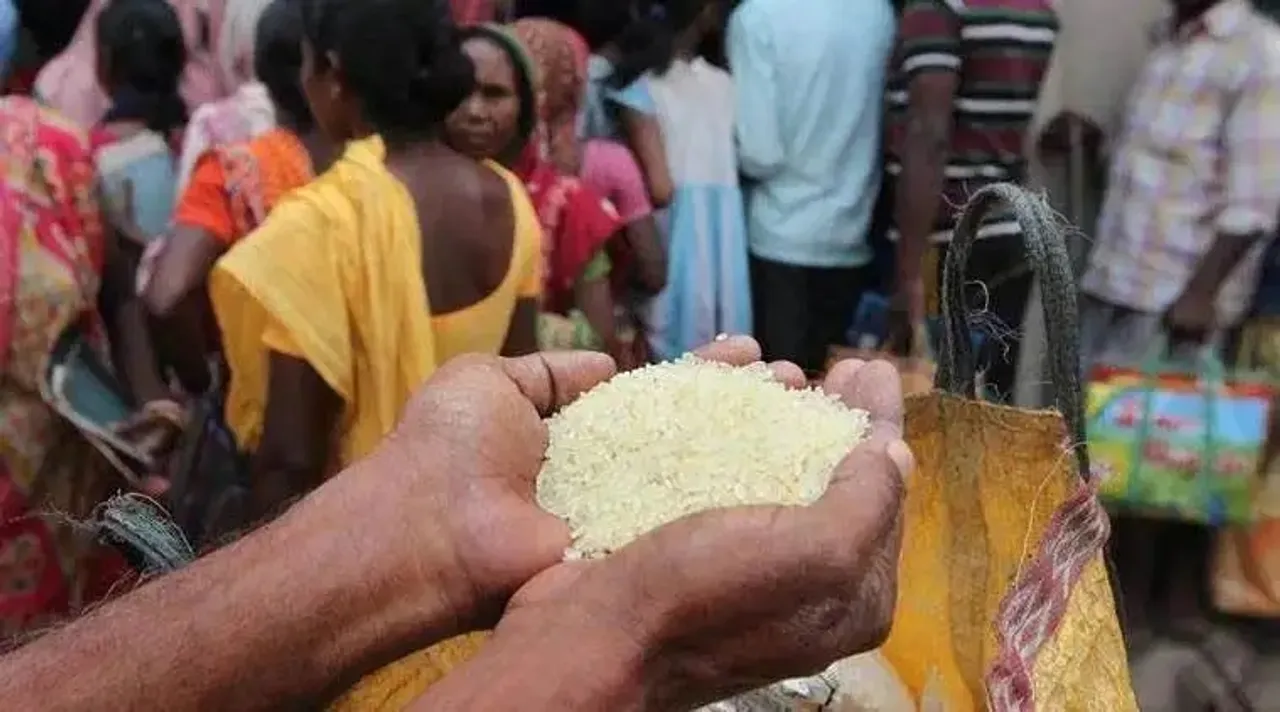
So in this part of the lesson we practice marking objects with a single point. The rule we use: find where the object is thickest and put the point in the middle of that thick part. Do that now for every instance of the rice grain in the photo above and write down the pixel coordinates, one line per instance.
(656, 444)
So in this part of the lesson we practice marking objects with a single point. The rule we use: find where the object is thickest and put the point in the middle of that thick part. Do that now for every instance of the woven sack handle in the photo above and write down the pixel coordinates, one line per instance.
(1043, 234)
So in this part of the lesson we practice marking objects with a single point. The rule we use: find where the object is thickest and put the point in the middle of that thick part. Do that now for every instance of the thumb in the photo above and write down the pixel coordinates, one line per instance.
(554, 379)
(868, 488)
(553, 583)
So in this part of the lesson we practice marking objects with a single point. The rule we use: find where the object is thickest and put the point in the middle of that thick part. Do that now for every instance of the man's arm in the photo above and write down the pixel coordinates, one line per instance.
(1251, 200)
(287, 617)
(930, 59)
(760, 152)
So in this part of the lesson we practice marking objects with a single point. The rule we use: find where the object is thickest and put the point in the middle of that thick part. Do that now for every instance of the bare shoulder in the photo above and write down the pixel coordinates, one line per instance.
(495, 187)
(464, 182)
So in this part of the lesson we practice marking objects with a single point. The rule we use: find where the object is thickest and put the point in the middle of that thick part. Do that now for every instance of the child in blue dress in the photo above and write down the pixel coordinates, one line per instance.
(657, 72)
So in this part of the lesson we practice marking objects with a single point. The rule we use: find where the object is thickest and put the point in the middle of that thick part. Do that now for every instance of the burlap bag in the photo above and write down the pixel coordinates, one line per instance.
(1003, 590)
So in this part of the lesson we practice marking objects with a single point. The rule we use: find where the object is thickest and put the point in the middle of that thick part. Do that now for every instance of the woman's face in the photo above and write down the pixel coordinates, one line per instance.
(324, 95)
(485, 124)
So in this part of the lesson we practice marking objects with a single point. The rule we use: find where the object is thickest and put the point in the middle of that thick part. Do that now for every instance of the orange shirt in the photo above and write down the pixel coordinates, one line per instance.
(233, 187)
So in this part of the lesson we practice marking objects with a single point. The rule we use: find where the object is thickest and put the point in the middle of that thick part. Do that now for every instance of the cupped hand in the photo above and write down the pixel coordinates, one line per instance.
(730, 600)
(447, 501)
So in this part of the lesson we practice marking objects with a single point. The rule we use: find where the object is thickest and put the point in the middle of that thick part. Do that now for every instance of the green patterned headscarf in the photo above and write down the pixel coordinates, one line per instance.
(526, 73)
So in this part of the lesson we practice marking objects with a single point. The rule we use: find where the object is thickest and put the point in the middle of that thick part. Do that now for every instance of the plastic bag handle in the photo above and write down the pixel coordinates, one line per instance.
(1043, 234)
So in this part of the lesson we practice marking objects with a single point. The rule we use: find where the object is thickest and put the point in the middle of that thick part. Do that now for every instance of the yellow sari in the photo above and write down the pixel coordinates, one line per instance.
(333, 276)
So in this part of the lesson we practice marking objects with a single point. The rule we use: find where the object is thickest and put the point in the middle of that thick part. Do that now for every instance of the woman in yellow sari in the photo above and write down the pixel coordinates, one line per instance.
(508, 104)
(401, 256)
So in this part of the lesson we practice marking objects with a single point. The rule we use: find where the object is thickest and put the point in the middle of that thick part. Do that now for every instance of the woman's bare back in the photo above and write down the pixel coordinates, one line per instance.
(467, 225)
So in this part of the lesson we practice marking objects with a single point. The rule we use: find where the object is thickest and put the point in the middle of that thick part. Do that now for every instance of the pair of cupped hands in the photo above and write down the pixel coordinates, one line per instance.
(701, 609)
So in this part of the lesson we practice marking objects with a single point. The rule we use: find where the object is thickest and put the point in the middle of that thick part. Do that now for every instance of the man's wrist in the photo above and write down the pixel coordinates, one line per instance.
(1217, 265)
(380, 603)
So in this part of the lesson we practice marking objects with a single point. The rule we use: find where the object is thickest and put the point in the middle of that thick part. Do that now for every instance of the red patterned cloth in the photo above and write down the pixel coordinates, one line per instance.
(576, 221)
(560, 55)
(1030, 615)
(576, 224)
(51, 252)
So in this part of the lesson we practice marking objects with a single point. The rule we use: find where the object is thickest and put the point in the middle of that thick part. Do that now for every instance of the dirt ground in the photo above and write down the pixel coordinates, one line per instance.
(1225, 666)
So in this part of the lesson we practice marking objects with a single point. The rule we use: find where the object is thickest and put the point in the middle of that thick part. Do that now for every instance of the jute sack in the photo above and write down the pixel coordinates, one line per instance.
(1003, 591)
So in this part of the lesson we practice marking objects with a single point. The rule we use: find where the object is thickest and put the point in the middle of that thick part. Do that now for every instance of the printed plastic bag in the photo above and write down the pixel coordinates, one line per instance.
(1179, 443)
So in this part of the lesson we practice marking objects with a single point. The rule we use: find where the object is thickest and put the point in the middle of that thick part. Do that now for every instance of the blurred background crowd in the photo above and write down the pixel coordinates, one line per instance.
(238, 234)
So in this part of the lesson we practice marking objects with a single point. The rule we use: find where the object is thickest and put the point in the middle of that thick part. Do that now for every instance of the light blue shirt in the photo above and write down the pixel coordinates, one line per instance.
(144, 165)
(810, 79)
(8, 35)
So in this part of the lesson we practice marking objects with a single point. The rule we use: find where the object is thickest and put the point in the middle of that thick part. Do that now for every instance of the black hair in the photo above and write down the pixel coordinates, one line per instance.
(51, 23)
(146, 54)
(558, 10)
(402, 59)
(648, 42)
(600, 23)
(277, 60)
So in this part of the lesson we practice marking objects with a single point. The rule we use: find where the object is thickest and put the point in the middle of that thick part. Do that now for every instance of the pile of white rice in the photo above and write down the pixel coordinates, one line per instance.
(656, 444)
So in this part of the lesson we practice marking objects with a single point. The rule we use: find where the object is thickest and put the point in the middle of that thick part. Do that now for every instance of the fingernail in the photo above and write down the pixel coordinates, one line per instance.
(722, 337)
(900, 453)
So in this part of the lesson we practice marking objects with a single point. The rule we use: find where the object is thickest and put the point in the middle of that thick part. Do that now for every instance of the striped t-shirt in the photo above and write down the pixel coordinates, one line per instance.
(1001, 49)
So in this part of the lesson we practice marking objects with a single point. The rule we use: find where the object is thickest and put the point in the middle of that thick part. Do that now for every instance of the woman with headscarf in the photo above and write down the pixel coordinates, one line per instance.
(248, 111)
(523, 113)
(51, 249)
(69, 83)
(607, 168)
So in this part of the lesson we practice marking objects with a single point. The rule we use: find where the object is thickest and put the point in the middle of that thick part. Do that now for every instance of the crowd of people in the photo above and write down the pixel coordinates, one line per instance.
(301, 210)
